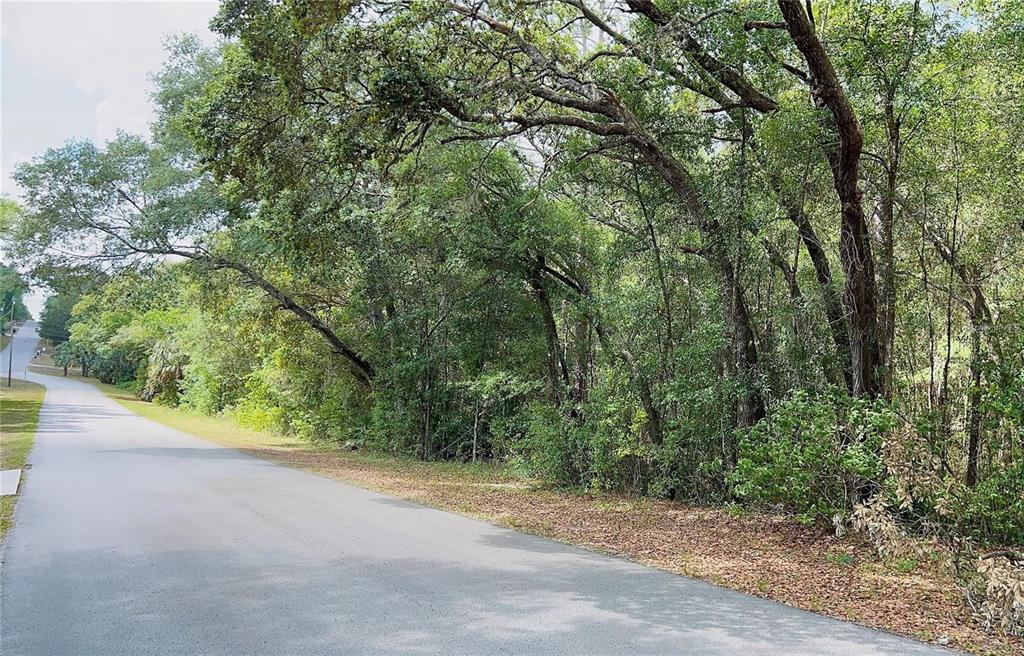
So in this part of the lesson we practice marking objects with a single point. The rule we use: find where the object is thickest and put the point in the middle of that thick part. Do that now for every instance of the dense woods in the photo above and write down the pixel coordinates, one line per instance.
(716, 251)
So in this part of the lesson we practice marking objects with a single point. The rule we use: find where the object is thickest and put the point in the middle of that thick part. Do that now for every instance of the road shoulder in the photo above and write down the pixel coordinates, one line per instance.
(19, 418)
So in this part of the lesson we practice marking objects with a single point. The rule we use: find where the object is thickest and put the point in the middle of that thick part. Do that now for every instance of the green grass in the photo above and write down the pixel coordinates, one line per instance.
(19, 416)
(221, 430)
(906, 565)
(840, 559)
(226, 432)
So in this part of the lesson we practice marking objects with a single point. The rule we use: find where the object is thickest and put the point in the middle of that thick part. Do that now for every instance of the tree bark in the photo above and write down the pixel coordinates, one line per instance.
(361, 368)
(838, 326)
(557, 372)
(887, 216)
(859, 293)
(974, 401)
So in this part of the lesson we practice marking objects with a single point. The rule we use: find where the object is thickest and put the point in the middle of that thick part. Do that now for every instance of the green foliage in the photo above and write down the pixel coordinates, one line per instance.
(993, 512)
(906, 565)
(552, 447)
(413, 230)
(812, 452)
(12, 291)
(56, 314)
(840, 559)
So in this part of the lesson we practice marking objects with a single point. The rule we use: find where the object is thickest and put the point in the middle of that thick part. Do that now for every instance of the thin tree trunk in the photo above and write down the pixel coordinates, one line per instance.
(655, 420)
(788, 271)
(894, 147)
(887, 319)
(981, 317)
(659, 266)
(974, 400)
(476, 428)
(558, 374)
(831, 298)
(751, 406)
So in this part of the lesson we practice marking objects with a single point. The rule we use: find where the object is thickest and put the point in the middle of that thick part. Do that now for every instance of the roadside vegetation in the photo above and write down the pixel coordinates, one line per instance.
(761, 257)
(19, 416)
(12, 283)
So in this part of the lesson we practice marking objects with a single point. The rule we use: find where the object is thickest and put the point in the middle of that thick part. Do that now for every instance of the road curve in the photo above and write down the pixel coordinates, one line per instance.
(24, 346)
(132, 538)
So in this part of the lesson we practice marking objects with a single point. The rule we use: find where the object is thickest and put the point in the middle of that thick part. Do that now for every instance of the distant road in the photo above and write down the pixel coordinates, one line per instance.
(133, 539)
(24, 343)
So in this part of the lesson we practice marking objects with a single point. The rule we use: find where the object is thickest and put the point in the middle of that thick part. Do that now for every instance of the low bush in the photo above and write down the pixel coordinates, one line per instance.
(993, 512)
(810, 454)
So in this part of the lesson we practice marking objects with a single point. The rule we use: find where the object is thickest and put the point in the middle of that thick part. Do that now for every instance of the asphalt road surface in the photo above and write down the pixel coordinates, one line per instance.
(24, 344)
(131, 538)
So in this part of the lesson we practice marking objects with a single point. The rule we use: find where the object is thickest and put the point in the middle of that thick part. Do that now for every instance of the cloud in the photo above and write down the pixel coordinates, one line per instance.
(122, 112)
(105, 50)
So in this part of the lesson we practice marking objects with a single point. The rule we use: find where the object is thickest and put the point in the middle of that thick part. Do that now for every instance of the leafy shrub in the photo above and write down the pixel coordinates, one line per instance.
(602, 448)
(251, 413)
(811, 452)
(553, 447)
(131, 386)
(202, 388)
(994, 510)
(394, 425)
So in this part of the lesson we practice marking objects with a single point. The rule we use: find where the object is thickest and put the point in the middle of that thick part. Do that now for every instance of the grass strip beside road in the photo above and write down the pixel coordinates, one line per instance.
(19, 417)
(286, 448)
(765, 555)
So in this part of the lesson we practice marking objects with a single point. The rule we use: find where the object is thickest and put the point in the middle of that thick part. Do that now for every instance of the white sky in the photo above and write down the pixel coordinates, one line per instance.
(79, 70)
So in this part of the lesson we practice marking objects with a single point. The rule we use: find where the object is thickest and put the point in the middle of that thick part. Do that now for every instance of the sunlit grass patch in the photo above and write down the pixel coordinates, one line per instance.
(19, 417)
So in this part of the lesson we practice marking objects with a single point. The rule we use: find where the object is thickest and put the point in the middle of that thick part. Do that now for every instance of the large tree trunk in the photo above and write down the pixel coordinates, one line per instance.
(859, 294)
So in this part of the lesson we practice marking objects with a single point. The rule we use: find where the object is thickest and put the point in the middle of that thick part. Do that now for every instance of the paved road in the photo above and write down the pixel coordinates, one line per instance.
(132, 538)
(24, 344)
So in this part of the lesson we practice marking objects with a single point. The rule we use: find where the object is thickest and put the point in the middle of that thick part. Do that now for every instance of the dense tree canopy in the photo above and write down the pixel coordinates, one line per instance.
(12, 292)
(730, 250)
